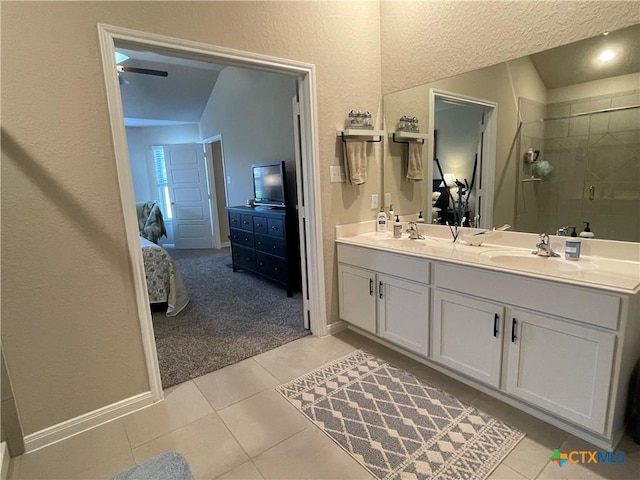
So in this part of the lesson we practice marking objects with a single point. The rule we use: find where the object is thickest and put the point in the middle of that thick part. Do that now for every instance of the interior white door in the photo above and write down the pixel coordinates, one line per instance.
(189, 194)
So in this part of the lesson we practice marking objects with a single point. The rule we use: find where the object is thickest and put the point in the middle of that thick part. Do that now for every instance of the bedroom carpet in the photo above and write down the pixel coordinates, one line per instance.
(230, 317)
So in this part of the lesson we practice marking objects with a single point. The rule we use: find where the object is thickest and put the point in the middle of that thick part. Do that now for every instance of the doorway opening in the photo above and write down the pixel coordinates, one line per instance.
(464, 153)
(308, 211)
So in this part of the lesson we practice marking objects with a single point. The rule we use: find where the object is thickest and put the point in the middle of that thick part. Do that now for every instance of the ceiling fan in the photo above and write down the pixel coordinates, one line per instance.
(144, 71)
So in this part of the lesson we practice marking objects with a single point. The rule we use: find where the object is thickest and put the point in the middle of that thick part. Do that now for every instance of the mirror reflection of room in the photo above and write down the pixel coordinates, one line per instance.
(565, 150)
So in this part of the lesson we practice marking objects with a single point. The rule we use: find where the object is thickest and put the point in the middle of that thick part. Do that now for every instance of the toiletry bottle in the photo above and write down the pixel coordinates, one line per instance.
(397, 228)
(587, 233)
(391, 214)
(381, 225)
(420, 218)
(574, 234)
(572, 248)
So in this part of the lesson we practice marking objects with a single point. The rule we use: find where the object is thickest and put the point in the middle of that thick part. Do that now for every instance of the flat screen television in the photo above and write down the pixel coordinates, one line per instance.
(269, 184)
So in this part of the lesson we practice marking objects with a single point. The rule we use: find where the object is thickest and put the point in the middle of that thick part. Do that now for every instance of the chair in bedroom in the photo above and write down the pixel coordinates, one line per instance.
(150, 221)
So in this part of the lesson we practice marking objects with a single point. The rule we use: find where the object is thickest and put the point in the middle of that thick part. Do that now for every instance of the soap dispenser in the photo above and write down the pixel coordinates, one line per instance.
(573, 233)
(397, 228)
(420, 218)
(587, 233)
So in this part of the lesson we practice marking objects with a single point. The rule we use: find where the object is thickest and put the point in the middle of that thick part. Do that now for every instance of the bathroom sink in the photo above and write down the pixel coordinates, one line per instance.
(525, 260)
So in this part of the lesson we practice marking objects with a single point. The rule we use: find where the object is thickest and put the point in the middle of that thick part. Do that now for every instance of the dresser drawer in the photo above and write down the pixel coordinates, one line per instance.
(234, 220)
(276, 227)
(241, 237)
(272, 267)
(244, 257)
(272, 245)
(246, 222)
(260, 225)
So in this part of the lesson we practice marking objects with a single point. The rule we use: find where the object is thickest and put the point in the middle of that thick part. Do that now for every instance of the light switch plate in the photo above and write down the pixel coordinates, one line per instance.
(374, 201)
(337, 174)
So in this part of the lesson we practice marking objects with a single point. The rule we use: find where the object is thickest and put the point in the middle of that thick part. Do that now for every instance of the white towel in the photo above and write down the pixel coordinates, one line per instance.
(414, 162)
(355, 161)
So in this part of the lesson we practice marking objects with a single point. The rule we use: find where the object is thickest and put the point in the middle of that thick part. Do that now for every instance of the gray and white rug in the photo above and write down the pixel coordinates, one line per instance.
(396, 425)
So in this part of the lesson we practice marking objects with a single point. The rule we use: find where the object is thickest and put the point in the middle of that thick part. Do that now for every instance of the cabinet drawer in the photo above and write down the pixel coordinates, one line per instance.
(260, 225)
(576, 303)
(276, 227)
(246, 222)
(272, 245)
(234, 220)
(272, 267)
(403, 266)
(241, 237)
(244, 257)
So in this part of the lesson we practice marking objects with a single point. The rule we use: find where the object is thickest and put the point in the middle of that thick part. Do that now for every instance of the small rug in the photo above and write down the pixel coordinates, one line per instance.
(168, 466)
(396, 425)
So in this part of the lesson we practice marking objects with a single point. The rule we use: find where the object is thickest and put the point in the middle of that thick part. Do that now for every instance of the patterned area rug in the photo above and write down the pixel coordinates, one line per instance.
(396, 425)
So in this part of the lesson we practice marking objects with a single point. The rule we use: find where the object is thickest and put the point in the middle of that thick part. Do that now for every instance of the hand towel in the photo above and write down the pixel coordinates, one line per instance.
(355, 161)
(414, 163)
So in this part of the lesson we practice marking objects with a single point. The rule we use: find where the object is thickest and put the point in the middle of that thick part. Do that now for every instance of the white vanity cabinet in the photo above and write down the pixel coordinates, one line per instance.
(561, 366)
(467, 335)
(385, 294)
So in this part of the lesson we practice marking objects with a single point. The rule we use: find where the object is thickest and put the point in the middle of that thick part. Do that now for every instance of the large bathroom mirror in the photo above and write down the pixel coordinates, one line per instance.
(542, 142)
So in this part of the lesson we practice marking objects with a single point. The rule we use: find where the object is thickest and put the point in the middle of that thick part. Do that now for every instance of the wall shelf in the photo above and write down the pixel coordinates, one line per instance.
(401, 135)
(361, 132)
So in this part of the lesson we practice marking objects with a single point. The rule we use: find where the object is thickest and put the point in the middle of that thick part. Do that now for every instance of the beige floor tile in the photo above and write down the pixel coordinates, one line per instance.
(546, 434)
(629, 470)
(462, 392)
(503, 472)
(206, 444)
(508, 414)
(352, 338)
(75, 454)
(180, 407)
(528, 458)
(309, 454)
(262, 421)
(231, 384)
(107, 469)
(301, 356)
(246, 471)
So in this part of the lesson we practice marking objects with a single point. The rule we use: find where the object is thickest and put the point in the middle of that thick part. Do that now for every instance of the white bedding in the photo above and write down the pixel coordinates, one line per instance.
(164, 280)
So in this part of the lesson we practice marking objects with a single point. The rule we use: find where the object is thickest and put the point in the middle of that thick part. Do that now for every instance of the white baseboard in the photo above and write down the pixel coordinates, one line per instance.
(225, 244)
(4, 461)
(336, 327)
(73, 426)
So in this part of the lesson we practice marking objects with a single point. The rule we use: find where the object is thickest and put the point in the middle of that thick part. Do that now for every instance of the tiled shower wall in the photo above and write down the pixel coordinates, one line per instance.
(596, 168)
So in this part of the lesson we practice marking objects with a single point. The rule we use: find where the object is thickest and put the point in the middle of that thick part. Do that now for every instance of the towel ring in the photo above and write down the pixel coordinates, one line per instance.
(368, 141)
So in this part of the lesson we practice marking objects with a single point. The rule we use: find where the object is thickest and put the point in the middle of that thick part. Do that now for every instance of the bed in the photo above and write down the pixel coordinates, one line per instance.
(164, 280)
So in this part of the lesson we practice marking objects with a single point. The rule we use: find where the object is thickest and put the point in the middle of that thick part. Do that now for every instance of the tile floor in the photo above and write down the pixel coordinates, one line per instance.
(231, 424)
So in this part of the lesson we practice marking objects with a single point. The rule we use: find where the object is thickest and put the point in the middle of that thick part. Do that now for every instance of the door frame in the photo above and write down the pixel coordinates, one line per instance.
(488, 171)
(211, 178)
(305, 72)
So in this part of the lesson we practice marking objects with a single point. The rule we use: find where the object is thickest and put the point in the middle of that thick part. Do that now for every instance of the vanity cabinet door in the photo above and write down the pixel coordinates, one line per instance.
(403, 312)
(357, 298)
(467, 336)
(560, 366)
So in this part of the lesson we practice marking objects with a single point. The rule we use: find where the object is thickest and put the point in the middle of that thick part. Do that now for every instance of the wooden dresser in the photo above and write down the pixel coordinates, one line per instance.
(265, 241)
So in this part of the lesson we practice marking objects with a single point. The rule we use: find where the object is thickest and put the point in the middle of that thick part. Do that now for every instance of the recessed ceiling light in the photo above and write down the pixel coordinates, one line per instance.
(606, 55)
(606, 33)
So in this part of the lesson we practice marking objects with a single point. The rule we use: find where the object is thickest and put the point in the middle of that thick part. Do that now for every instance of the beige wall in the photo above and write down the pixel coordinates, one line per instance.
(70, 327)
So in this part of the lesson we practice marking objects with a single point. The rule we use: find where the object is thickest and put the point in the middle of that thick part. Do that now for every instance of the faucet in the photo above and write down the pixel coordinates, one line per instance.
(564, 231)
(544, 247)
(414, 233)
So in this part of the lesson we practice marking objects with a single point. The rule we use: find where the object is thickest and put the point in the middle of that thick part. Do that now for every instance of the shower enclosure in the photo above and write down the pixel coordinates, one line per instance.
(587, 168)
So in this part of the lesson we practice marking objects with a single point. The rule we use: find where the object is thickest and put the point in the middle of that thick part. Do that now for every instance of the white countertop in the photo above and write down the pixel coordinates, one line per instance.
(506, 254)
